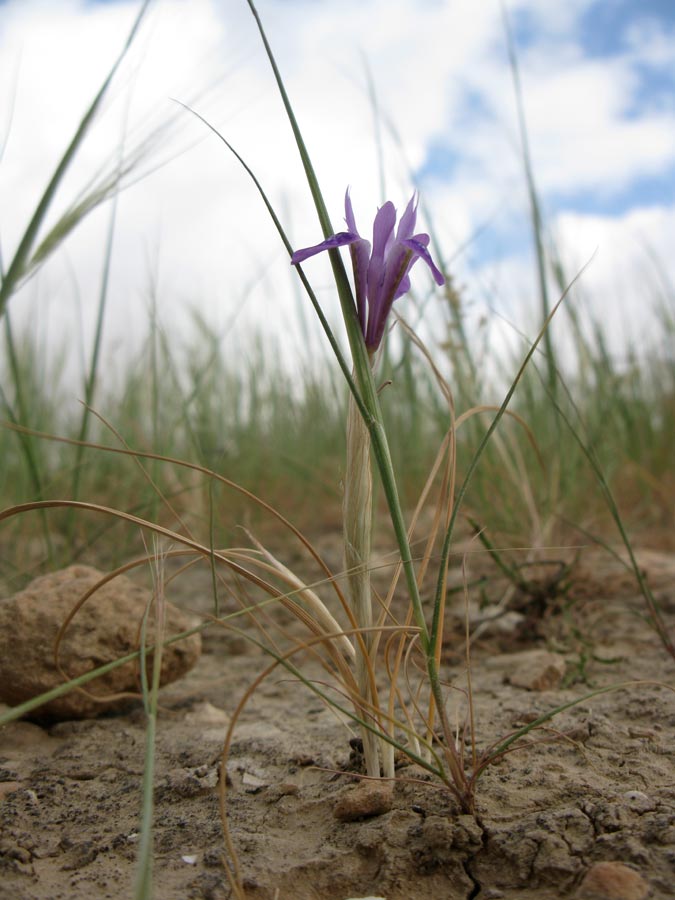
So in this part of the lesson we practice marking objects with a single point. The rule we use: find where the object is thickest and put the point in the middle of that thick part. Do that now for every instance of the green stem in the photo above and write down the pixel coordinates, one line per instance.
(365, 396)
(144, 880)
(369, 403)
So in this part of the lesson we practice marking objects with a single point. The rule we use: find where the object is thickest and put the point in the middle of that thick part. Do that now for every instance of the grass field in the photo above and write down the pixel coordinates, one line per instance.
(281, 436)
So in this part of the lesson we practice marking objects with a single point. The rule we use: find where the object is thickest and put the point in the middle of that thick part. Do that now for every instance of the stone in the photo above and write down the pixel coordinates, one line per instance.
(537, 670)
(639, 802)
(8, 787)
(104, 629)
(612, 881)
(367, 799)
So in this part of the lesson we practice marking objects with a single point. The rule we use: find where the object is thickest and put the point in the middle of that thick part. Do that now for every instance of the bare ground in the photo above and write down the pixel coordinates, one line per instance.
(601, 787)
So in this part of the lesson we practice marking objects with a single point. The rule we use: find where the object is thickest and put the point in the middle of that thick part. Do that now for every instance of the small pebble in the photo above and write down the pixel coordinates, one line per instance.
(537, 670)
(253, 784)
(367, 799)
(8, 787)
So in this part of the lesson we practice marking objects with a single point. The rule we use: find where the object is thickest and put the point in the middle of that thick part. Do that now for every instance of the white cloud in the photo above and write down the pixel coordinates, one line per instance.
(651, 44)
(629, 251)
(581, 133)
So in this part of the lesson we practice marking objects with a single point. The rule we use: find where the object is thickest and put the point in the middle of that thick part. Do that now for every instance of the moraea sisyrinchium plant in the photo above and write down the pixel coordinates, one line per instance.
(381, 272)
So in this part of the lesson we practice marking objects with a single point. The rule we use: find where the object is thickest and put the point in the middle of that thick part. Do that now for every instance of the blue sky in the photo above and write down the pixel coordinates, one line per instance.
(598, 80)
(605, 31)
(608, 30)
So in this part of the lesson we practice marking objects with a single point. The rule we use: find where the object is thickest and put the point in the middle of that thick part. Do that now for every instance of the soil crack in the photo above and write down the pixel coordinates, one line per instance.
(468, 863)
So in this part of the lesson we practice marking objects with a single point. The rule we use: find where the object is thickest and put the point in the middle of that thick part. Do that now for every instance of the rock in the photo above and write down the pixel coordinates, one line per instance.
(639, 802)
(183, 784)
(367, 799)
(104, 629)
(612, 881)
(252, 783)
(8, 787)
(537, 670)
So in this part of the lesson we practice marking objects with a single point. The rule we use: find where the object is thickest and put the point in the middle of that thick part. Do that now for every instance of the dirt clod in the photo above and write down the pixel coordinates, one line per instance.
(537, 670)
(367, 799)
(612, 881)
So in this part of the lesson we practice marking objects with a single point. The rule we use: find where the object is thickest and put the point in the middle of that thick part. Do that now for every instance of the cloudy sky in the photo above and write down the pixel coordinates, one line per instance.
(598, 80)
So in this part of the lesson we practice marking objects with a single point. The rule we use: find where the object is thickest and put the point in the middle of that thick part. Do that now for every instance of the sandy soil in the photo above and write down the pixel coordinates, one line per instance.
(600, 788)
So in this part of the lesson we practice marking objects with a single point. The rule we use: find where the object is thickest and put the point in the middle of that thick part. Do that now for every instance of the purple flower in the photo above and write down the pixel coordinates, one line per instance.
(381, 273)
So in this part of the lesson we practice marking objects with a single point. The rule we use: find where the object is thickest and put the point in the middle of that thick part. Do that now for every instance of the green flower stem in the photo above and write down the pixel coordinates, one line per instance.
(369, 406)
(362, 364)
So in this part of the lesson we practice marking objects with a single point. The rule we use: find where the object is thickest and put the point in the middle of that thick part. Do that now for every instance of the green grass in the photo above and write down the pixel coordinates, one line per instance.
(281, 435)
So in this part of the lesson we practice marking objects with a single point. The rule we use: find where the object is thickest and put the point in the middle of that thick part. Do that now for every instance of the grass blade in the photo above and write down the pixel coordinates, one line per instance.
(21, 259)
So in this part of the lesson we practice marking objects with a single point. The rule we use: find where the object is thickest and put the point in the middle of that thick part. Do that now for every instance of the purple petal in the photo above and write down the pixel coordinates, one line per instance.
(337, 240)
(404, 284)
(349, 214)
(418, 245)
(360, 251)
(406, 226)
(379, 302)
(383, 227)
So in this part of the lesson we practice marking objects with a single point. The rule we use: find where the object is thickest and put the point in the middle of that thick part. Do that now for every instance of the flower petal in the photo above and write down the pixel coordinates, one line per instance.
(340, 239)
(418, 245)
(360, 251)
(406, 226)
(404, 285)
(379, 302)
(349, 214)
(383, 227)
(383, 275)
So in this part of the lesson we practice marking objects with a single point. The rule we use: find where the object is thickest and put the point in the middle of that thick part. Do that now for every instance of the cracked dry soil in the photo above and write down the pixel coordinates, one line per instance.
(598, 786)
